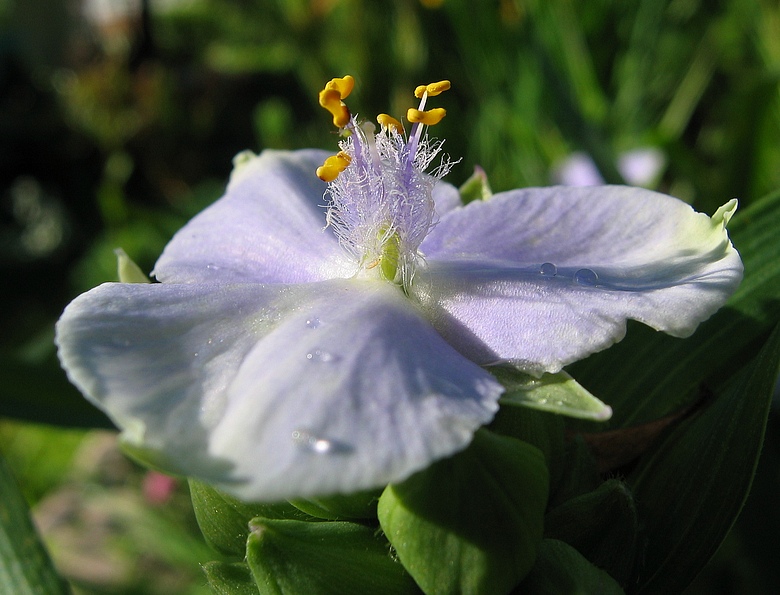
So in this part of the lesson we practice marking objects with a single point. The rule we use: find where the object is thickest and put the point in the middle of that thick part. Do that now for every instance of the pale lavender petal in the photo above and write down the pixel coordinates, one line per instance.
(629, 231)
(268, 228)
(158, 358)
(543, 277)
(361, 392)
(276, 392)
(446, 198)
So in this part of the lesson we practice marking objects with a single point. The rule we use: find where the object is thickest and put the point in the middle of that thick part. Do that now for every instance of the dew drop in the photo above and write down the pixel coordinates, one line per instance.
(548, 269)
(313, 322)
(318, 355)
(312, 442)
(212, 267)
(586, 277)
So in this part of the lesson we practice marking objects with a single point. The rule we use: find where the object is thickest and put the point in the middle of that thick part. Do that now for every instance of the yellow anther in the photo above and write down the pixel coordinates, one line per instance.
(390, 122)
(429, 118)
(433, 89)
(330, 99)
(333, 166)
(343, 85)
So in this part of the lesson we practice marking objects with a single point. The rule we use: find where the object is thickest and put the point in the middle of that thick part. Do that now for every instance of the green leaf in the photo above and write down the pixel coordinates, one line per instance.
(224, 520)
(602, 525)
(336, 558)
(25, 566)
(470, 523)
(543, 430)
(361, 505)
(556, 393)
(693, 486)
(562, 570)
(579, 475)
(230, 579)
(649, 374)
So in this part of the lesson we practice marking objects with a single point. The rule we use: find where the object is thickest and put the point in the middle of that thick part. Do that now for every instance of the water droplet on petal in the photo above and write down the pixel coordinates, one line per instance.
(313, 322)
(548, 269)
(319, 355)
(212, 267)
(312, 442)
(586, 277)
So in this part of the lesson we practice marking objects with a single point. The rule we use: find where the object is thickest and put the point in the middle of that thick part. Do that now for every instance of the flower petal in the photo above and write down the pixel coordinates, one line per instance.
(158, 358)
(276, 392)
(268, 228)
(362, 393)
(446, 197)
(544, 277)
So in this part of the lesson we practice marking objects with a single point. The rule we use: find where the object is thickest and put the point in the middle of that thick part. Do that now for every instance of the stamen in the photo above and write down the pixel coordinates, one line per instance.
(330, 99)
(432, 89)
(380, 202)
(333, 166)
(420, 118)
(428, 118)
(386, 121)
(343, 85)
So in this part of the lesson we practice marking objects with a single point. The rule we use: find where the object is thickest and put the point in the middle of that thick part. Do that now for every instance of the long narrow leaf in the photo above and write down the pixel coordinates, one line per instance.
(25, 567)
(692, 488)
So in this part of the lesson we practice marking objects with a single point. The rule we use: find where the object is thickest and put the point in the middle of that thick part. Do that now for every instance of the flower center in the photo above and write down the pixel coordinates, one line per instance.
(379, 194)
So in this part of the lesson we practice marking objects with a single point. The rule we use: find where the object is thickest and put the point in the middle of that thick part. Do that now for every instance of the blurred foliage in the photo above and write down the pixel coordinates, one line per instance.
(118, 122)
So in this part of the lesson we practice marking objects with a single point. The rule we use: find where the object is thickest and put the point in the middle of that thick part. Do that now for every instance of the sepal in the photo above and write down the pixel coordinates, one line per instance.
(127, 270)
(556, 393)
(230, 579)
(358, 506)
(337, 558)
(562, 569)
(476, 187)
(224, 520)
(470, 523)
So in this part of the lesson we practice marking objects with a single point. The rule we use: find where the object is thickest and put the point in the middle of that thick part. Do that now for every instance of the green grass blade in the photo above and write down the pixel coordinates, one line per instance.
(25, 566)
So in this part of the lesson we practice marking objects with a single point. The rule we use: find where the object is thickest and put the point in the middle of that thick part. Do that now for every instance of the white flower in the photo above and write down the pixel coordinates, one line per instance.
(279, 358)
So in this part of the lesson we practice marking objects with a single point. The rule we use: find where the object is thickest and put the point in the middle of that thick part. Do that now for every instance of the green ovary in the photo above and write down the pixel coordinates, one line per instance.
(391, 250)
